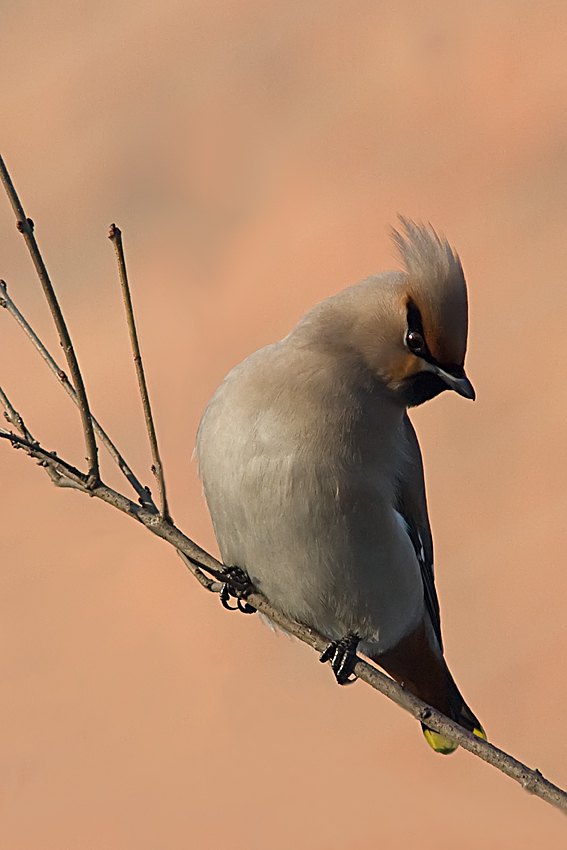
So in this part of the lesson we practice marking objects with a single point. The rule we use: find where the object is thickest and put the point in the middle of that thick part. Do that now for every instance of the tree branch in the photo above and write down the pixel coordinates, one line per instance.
(61, 473)
(144, 493)
(207, 583)
(13, 417)
(157, 468)
(26, 227)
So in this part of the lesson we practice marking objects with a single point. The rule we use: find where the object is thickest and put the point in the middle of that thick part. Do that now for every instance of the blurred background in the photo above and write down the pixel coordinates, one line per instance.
(255, 154)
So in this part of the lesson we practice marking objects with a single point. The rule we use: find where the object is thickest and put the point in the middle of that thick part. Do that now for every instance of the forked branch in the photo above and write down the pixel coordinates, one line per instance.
(144, 494)
(200, 562)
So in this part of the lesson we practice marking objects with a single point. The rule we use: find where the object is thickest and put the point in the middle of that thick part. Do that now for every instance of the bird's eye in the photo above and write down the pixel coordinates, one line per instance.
(415, 342)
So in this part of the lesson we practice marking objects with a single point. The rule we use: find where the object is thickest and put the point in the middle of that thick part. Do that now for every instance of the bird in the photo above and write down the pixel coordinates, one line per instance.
(313, 474)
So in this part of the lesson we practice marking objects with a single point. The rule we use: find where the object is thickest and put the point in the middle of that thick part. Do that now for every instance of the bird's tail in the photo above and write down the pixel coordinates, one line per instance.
(461, 713)
(418, 664)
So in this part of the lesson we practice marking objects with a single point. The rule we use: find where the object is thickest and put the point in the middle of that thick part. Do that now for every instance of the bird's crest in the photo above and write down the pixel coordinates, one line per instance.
(436, 285)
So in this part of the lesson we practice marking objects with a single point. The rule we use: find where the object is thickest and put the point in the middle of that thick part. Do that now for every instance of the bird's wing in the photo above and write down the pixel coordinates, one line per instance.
(412, 505)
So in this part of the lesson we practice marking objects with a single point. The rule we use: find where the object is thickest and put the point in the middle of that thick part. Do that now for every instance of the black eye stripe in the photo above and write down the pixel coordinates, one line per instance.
(415, 336)
(415, 322)
(417, 344)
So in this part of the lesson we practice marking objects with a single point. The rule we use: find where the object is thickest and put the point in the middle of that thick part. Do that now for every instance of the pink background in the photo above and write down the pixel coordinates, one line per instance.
(254, 154)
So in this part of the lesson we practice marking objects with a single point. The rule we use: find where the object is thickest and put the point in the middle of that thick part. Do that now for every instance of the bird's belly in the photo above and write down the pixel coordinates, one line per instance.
(337, 558)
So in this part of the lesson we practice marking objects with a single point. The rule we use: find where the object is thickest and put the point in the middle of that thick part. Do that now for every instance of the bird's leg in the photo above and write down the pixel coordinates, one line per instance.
(342, 655)
(238, 586)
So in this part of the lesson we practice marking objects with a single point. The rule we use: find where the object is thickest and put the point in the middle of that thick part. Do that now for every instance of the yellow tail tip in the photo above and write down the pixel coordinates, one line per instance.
(440, 744)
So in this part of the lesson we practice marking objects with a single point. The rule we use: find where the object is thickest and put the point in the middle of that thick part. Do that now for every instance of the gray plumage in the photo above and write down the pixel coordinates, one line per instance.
(311, 467)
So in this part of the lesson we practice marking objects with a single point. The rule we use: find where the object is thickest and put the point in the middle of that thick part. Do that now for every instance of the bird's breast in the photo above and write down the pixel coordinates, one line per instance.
(305, 504)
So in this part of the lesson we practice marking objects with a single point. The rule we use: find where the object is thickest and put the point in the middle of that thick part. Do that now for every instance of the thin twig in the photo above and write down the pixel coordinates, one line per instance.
(58, 469)
(207, 583)
(6, 301)
(115, 237)
(26, 227)
(13, 417)
(150, 519)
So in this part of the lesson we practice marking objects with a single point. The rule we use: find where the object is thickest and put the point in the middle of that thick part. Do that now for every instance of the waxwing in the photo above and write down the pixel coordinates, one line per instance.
(313, 474)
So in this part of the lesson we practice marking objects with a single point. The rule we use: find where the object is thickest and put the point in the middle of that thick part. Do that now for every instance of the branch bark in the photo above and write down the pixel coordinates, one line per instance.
(144, 493)
(157, 468)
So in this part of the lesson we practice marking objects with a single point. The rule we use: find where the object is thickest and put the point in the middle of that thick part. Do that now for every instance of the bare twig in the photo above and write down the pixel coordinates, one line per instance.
(26, 227)
(61, 473)
(13, 417)
(161, 527)
(192, 566)
(115, 237)
(143, 492)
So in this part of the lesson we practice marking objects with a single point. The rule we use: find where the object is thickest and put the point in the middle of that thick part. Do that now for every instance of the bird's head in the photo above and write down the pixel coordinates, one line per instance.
(408, 328)
(411, 326)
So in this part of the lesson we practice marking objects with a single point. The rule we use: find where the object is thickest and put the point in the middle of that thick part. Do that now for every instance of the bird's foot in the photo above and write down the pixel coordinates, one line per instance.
(237, 586)
(342, 655)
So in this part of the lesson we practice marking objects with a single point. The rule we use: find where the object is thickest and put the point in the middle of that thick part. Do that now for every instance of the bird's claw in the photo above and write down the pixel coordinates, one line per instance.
(237, 586)
(342, 655)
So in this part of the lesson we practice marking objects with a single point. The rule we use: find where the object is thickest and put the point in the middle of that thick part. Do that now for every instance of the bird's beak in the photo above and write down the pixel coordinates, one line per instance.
(461, 385)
